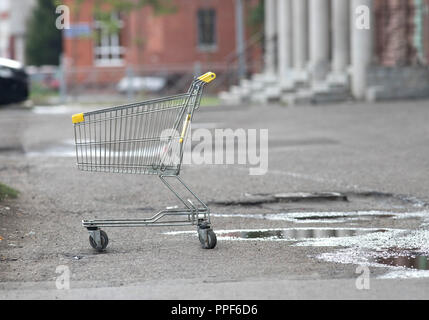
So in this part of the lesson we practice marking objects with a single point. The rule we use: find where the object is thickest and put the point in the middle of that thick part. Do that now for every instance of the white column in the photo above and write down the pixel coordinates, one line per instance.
(361, 45)
(340, 36)
(319, 39)
(284, 43)
(270, 37)
(300, 34)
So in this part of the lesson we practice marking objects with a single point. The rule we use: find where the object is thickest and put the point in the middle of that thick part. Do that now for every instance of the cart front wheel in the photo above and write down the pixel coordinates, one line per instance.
(103, 239)
(207, 238)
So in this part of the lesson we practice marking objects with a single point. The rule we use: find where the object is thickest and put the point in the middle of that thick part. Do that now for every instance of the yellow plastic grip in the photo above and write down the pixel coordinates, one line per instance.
(76, 118)
(185, 126)
(207, 77)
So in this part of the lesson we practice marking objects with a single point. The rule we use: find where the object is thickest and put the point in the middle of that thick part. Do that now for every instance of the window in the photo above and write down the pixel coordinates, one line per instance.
(207, 29)
(108, 50)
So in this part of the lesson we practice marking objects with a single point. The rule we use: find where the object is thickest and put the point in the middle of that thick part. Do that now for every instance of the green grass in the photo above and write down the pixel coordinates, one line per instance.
(7, 192)
(209, 101)
(40, 94)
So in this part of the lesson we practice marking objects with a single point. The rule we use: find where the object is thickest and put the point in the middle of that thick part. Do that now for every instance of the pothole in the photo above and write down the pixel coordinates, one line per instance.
(334, 200)
(342, 218)
(250, 199)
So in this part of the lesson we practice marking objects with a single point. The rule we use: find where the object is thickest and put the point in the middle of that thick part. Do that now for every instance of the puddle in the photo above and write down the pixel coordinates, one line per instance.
(59, 152)
(403, 258)
(418, 262)
(64, 148)
(287, 234)
(402, 263)
(329, 217)
(12, 149)
(372, 247)
(292, 234)
(55, 110)
(386, 250)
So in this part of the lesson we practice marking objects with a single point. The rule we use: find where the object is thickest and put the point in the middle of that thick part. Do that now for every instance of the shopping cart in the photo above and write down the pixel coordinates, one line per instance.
(144, 138)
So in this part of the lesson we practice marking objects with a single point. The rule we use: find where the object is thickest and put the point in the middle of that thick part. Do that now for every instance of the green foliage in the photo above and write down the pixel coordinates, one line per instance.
(209, 101)
(126, 6)
(7, 192)
(256, 16)
(44, 41)
(103, 10)
(40, 94)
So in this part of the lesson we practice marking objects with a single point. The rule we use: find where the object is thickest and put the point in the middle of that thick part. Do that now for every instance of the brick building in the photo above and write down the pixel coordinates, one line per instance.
(199, 34)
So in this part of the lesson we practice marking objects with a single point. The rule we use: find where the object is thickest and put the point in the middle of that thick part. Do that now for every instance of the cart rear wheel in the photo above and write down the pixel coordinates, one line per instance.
(207, 238)
(104, 241)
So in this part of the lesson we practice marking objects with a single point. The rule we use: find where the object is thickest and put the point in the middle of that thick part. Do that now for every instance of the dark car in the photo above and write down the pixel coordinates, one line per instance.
(13, 82)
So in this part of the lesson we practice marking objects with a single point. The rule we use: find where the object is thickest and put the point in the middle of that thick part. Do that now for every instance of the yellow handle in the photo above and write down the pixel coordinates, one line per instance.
(185, 126)
(76, 118)
(207, 77)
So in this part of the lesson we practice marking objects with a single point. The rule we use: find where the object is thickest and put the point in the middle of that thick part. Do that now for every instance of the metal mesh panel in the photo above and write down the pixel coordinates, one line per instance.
(139, 138)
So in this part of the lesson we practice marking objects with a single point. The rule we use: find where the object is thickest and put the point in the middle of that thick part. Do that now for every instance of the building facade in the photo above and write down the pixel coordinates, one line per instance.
(199, 34)
(334, 50)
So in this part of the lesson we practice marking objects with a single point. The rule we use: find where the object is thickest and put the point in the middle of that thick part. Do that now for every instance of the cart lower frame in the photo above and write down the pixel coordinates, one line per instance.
(195, 214)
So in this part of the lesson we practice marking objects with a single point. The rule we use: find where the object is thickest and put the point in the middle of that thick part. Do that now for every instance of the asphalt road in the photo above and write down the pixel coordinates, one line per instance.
(377, 154)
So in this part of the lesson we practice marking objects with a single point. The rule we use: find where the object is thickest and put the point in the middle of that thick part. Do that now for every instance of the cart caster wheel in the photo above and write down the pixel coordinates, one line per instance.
(207, 238)
(103, 242)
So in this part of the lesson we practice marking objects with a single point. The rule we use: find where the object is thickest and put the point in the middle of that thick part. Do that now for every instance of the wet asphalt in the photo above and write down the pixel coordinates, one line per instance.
(375, 154)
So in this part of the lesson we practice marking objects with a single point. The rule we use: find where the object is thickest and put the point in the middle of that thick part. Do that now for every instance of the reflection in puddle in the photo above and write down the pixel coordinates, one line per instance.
(405, 259)
(292, 234)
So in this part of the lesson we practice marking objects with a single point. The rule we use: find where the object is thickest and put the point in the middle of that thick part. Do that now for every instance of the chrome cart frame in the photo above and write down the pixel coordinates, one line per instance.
(144, 138)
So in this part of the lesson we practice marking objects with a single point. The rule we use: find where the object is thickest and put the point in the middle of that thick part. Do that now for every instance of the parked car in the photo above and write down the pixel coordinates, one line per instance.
(13, 82)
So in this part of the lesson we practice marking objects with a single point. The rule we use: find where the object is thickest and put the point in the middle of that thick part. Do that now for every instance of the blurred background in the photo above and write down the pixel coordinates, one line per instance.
(287, 51)
(341, 163)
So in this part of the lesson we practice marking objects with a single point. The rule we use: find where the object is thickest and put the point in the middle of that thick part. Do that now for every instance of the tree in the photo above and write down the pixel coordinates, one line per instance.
(44, 40)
